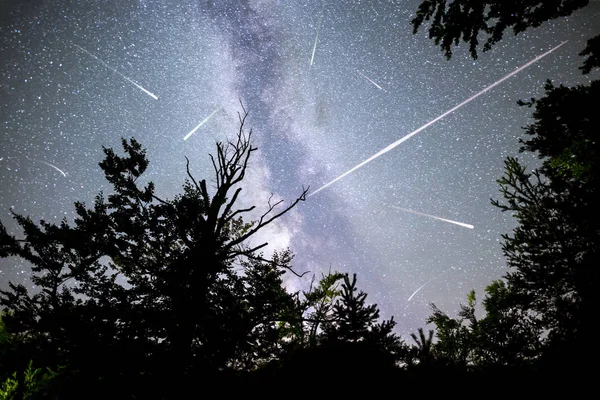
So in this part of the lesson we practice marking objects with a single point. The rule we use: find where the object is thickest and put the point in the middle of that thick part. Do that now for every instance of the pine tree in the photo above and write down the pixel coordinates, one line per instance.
(355, 322)
(505, 336)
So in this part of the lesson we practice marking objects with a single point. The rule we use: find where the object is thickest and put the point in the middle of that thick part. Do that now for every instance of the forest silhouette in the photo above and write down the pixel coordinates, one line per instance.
(205, 313)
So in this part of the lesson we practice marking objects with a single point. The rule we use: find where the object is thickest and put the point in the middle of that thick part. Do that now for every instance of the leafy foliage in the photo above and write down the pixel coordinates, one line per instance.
(469, 20)
(355, 322)
(150, 293)
(542, 313)
(35, 384)
(153, 278)
(554, 250)
(505, 336)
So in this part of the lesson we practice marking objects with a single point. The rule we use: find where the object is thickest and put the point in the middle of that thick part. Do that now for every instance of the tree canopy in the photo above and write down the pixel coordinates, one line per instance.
(149, 294)
(542, 313)
(472, 21)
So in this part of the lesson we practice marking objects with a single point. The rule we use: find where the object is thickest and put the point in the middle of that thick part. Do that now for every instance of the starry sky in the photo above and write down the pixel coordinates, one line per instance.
(328, 84)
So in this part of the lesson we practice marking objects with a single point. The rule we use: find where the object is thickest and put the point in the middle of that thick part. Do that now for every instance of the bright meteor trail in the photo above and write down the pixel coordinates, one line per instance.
(312, 57)
(433, 216)
(399, 141)
(422, 286)
(200, 124)
(53, 166)
(155, 97)
(370, 80)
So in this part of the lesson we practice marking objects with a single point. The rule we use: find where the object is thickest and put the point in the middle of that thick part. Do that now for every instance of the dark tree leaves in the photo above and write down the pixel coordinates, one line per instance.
(470, 21)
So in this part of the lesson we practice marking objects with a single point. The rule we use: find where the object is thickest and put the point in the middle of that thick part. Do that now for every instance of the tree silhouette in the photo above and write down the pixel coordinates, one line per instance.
(424, 346)
(543, 315)
(504, 336)
(271, 312)
(156, 279)
(353, 321)
(553, 251)
(316, 309)
(468, 20)
(349, 344)
(507, 335)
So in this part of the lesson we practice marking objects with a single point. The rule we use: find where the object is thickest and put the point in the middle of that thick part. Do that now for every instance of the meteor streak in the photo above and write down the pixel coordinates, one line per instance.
(413, 133)
(312, 58)
(53, 166)
(370, 80)
(200, 124)
(155, 97)
(421, 287)
(433, 216)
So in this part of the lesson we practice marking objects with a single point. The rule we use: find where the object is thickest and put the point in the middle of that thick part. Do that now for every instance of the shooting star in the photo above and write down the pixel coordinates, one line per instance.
(434, 217)
(149, 93)
(421, 287)
(200, 124)
(53, 166)
(413, 133)
(312, 57)
(370, 80)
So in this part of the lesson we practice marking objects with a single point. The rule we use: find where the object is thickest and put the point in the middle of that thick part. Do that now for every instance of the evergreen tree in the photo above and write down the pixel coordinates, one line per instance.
(505, 336)
(423, 351)
(553, 251)
(271, 312)
(342, 340)
(355, 322)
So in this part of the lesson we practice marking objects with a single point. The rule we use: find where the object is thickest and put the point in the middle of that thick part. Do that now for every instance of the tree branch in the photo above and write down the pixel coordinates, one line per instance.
(262, 223)
(189, 174)
(258, 258)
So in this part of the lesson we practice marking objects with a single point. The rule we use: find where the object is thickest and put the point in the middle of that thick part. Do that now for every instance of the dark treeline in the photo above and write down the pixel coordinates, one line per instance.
(151, 298)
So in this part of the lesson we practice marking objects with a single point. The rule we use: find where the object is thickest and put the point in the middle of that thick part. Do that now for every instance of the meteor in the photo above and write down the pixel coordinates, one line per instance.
(421, 287)
(155, 97)
(200, 124)
(312, 58)
(413, 133)
(53, 166)
(370, 80)
(433, 216)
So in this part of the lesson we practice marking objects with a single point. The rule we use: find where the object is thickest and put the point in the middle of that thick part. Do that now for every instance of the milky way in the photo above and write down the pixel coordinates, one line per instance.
(326, 85)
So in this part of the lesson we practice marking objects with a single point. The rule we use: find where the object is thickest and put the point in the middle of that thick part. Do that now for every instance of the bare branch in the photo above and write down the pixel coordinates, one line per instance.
(262, 222)
(225, 219)
(248, 252)
(160, 200)
(187, 168)
(217, 170)
(258, 258)
(245, 113)
(239, 211)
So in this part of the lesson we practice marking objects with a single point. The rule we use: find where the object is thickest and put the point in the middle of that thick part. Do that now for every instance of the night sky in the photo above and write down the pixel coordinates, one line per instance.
(79, 75)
